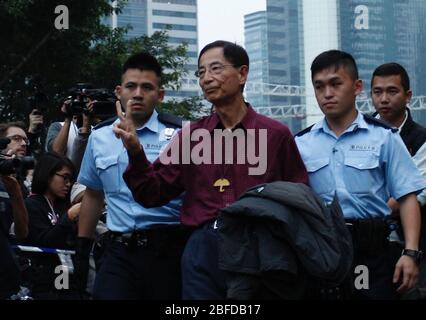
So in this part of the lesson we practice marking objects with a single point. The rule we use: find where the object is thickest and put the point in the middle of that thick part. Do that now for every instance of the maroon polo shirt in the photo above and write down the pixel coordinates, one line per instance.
(155, 184)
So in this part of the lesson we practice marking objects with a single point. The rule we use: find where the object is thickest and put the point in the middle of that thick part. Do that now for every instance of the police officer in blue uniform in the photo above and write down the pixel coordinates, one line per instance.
(363, 162)
(142, 259)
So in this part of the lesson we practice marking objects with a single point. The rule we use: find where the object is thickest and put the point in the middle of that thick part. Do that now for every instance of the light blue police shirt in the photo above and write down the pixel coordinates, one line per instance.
(104, 162)
(364, 167)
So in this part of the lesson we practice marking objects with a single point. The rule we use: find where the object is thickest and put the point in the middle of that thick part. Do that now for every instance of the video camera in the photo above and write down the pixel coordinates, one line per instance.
(83, 93)
(38, 100)
(14, 165)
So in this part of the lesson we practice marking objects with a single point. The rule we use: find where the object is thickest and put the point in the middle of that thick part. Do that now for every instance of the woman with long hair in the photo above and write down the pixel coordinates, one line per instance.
(49, 223)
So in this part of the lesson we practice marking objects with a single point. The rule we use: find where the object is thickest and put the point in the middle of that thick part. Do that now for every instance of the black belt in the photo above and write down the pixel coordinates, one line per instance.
(370, 235)
(130, 239)
(353, 224)
(142, 237)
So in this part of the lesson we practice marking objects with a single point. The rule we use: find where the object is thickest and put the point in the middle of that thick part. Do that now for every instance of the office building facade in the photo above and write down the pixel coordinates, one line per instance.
(148, 16)
(373, 31)
(273, 42)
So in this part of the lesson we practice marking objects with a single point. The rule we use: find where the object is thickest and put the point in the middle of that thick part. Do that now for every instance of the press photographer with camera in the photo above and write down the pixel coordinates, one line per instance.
(80, 141)
(83, 108)
(13, 214)
(36, 133)
(35, 122)
(37, 104)
(17, 147)
(61, 135)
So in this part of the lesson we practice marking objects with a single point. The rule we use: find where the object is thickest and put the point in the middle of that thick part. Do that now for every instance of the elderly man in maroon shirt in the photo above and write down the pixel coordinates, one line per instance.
(212, 161)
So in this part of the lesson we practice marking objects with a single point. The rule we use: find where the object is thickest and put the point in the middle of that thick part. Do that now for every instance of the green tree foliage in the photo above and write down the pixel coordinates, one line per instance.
(109, 54)
(37, 56)
(34, 51)
(189, 108)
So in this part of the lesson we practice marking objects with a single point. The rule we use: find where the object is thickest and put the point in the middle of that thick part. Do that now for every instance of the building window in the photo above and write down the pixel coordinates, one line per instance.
(182, 27)
(275, 9)
(177, 14)
(186, 2)
(182, 40)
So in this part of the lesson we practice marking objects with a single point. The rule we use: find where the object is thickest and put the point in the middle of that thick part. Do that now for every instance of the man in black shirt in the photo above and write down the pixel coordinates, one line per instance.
(391, 93)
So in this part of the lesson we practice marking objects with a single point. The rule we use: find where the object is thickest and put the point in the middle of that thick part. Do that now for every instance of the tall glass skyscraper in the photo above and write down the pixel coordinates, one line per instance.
(373, 31)
(273, 42)
(147, 16)
(256, 39)
(135, 15)
(395, 32)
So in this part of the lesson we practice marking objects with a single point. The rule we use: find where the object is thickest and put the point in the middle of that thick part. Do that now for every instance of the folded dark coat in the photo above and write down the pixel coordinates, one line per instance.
(283, 227)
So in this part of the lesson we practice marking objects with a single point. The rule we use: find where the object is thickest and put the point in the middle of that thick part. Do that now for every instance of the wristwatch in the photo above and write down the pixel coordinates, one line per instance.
(415, 254)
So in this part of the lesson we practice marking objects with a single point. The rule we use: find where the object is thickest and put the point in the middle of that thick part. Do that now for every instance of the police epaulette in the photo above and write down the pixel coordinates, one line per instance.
(306, 130)
(378, 122)
(105, 123)
(170, 120)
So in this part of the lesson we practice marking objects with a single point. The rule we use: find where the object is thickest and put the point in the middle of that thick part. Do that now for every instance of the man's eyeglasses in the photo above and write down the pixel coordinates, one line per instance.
(19, 139)
(216, 69)
(67, 179)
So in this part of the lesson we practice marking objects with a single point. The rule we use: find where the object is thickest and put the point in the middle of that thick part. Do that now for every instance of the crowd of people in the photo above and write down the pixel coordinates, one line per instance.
(153, 208)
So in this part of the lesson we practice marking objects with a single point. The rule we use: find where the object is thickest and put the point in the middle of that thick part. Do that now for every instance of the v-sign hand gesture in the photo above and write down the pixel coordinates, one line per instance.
(126, 130)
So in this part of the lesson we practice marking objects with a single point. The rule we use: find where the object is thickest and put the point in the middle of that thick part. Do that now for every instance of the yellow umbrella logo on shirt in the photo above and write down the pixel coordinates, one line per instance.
(221, 183)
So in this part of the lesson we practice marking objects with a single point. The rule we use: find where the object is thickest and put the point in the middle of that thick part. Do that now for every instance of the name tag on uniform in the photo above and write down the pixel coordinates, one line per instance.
(152, 146)
(358, 147)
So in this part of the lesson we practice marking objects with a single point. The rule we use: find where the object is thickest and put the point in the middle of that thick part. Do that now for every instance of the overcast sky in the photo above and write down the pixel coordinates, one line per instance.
(224, 19)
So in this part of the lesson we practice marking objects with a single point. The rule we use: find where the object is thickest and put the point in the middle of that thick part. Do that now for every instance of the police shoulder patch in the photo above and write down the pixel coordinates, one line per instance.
(306, 130)
(105, 123)
(374, 121)
(170, 120)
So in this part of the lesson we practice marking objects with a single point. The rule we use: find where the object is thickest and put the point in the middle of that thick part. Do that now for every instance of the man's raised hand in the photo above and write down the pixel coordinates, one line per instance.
(126, 131)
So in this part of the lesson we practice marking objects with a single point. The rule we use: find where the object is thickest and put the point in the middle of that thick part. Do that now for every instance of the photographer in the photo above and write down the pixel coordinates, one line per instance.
(12, 190)
(17, 147)
(38, 104)
(15, 131)
(61, 135)
(36, 133)
(83, 109)
(80, 141)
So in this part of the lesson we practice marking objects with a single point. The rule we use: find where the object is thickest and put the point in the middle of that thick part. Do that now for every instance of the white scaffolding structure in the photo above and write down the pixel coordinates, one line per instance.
(363, 103)
(257, 88)
(299, 111)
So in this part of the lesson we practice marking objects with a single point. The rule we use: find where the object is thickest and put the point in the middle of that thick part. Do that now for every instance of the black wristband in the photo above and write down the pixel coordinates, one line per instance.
(83, 246)
(415, 254)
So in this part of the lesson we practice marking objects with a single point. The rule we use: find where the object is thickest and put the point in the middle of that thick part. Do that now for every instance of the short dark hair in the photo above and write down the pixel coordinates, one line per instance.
(46, 167)
(5, 126)
(234, 53)
(144, 61)
(336, 59)
(392, 69)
